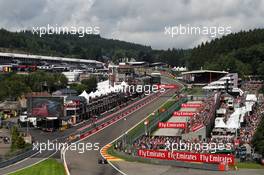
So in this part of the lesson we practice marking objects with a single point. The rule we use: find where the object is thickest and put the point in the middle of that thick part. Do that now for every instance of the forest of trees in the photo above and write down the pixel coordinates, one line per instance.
(14, 85)
(241, 52)
(87, 47)
(67, 45)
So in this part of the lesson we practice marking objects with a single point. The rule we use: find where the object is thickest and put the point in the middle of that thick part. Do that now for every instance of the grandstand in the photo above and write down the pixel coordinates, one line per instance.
(9, 58)
(198, 117)
(202, 77)
(229, 83)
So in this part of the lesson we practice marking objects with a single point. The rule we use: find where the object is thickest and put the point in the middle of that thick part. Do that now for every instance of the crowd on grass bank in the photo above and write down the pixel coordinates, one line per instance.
(192, 145)
(251, 123)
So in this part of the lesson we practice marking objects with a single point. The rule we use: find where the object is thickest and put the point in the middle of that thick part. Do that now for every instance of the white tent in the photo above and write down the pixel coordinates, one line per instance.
(219, 123)
(92, 95)
(103, 92)
(85, 95)
(249, 106)
(123, 83)
(251, 97)
(234, 120)
(103, 85)
(97, 93)
(112, 89)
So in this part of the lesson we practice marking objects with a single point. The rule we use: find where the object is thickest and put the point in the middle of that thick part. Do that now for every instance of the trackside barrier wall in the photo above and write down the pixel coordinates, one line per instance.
(141, 129)
(31, 152)
(204, 166)
(20, 157)
(136, 105)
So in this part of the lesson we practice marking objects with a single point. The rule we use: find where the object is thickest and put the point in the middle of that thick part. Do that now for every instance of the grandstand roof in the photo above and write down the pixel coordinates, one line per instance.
(204, 71)
(40, 57)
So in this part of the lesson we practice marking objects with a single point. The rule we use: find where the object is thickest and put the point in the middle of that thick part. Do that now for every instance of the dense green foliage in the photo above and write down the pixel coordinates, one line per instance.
(17, 140)
(14, 85)
(88, 85)
(241, 52)
(87, 47)
(66, 45)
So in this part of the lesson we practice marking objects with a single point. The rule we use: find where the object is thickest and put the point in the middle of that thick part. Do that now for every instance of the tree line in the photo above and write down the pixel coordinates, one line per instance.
(14, 85)
(241, 52)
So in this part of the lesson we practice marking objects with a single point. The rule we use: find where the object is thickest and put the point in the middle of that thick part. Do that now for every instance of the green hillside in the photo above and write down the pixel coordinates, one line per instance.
(241, 52)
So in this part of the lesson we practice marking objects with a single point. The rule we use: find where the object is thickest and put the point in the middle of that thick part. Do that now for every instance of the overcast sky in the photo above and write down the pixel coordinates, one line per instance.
(139, 21)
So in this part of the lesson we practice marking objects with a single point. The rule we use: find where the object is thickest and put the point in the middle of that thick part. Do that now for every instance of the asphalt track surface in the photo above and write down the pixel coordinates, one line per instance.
(87, 163)
(111, 132)
(24, 163)
(150, 169)
(41, 156)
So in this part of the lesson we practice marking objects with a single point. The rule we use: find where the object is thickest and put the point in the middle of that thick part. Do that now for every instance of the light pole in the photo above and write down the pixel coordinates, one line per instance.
(146, 127)
(124, 135)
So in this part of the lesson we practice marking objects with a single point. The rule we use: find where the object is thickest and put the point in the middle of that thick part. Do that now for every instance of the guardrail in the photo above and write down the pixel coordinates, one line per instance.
(153, 121)
(135, 158)
(18, 158)
(141, 129)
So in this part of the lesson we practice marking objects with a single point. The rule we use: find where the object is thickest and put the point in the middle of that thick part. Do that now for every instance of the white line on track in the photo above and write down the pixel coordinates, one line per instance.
(121, 172)
(64, 151)
(137, 102)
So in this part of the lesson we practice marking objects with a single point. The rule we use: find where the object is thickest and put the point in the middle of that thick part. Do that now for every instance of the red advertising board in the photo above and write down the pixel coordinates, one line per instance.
(195, 128)
(191, 105)
(187, 156)
(171, 125)
(183, 113)
(167, 86)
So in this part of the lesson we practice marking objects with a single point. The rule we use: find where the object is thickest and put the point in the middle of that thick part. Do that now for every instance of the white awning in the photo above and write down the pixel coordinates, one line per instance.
(251, 97)
(85, 95)
(219, 123)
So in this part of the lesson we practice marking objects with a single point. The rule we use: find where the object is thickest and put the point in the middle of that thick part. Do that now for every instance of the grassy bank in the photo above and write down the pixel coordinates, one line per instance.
(195, 91)
(47, 167)
(249, 165)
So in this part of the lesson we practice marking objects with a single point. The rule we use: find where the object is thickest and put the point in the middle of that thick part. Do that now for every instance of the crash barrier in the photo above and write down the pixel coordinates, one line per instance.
(203, 166)
(29, 152)
(143, 129)
(18, 158)
(187, 156)
(93, 127)
(116, 109)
